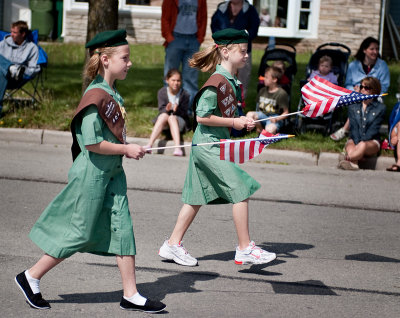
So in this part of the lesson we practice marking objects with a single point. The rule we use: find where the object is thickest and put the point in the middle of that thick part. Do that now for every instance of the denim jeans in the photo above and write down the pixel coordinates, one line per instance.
(4, 66)
(178, 52)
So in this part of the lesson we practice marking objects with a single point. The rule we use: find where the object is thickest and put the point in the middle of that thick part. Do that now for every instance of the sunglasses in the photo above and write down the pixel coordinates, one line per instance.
(367, 88)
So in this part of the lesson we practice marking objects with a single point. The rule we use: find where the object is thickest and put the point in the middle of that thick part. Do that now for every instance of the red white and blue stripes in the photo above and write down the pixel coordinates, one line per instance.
(321, 97)
(241, 151)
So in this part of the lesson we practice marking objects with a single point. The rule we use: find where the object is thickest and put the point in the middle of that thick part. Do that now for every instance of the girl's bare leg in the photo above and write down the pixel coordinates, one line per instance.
(362, 149)
(174, 128)
(241, 219)
(158, 127)
(45, 263)
(185, 218)
(126, 265)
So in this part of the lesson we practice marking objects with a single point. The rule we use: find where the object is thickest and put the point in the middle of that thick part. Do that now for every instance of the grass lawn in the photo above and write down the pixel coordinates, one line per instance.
(63, 88)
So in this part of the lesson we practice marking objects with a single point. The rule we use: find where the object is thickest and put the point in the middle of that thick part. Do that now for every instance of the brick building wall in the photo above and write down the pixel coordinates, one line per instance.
(344, 21)
(140, 28)
(347, 22)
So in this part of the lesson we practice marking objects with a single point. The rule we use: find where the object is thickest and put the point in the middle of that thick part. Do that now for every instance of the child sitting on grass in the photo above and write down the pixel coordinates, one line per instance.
(272, 101)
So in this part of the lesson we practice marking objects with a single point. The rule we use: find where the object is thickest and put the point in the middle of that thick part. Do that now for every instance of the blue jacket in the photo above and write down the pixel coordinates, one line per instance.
(394, 118)
(247, 19)
(363, 128)
(355, 74)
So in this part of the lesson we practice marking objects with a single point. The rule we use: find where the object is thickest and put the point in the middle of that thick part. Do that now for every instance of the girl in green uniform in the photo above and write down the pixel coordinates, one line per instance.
(210, 180)
(91, 213)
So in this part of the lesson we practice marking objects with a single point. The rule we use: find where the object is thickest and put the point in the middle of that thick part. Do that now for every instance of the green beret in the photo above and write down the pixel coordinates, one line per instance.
(230, 36)
(107, 39)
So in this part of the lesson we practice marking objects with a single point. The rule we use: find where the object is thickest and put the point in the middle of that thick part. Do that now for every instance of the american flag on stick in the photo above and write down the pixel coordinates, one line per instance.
(322, 97)
(244, 150)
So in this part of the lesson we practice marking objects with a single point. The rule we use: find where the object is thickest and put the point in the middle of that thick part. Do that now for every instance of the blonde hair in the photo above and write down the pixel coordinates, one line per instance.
(325, 58)
(93, 65)
(207, 59)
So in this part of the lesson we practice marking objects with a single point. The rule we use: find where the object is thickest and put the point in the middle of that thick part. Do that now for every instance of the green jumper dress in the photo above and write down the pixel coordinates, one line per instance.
(210, 180)
(91, 213)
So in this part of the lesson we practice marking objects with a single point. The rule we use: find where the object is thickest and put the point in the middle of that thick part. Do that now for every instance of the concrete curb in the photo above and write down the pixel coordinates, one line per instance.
(285, 157)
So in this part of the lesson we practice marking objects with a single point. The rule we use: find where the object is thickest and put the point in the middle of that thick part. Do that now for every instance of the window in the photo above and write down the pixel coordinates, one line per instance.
(138, 8)
(144, 2)
(288, 18)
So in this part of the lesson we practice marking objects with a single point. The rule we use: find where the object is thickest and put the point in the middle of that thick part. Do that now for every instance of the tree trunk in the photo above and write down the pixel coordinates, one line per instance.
(102, 16)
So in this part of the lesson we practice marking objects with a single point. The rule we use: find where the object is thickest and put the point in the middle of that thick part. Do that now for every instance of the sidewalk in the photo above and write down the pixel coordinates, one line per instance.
(284, 157)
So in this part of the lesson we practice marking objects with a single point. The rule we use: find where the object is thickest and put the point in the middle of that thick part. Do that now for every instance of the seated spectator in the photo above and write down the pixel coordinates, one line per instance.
(173, 104)
(325, 70)
(394, 136)
(18, 57)
(284, 81)
(272, 100)
(365, 121)
(367, 63)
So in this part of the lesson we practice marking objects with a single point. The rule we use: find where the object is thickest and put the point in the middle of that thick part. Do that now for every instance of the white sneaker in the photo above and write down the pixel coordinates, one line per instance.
(348, 165)
(253, 255)
(338, 134)
(177, 253)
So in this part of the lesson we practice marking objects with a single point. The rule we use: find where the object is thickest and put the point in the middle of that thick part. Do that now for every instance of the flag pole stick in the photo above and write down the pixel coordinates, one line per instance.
(221, 142)
(274, 117)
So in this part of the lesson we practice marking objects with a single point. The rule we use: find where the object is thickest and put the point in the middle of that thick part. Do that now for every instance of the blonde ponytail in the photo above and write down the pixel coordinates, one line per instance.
(206, 60)
(93, 65)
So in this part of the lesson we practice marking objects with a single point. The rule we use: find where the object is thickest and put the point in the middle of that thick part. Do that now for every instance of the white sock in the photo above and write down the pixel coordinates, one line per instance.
(33, 283)
(137, 299)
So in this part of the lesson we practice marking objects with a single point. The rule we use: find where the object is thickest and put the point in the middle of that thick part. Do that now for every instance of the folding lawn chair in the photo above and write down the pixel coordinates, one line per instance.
(35, 92)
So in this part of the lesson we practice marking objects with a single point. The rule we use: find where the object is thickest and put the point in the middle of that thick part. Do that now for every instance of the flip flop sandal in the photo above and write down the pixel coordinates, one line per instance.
(394, 168)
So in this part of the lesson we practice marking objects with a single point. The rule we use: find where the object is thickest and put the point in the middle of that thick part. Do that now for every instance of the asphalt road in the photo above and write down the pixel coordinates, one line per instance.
(336, 234)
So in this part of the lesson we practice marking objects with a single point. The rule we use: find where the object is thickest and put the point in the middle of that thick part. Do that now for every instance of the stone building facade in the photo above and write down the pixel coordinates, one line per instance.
(344, 21)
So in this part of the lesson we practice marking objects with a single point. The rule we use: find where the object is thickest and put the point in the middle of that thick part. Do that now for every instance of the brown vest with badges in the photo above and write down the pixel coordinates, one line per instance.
(109, 111)
(226, 97)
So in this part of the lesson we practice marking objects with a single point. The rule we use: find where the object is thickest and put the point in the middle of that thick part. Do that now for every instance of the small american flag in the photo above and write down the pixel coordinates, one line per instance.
(241, 151)
(321, 97)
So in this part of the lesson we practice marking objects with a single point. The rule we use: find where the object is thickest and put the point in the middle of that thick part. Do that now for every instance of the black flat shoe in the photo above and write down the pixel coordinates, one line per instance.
(34, 300)
(151, 306)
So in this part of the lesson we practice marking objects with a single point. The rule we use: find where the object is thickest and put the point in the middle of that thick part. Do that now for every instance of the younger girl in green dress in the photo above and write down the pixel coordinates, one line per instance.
(91, 213)
(210, 180)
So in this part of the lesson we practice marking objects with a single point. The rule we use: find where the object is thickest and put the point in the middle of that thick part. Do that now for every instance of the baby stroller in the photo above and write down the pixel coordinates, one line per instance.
(339, 54)
(281, 52)
(287, 54)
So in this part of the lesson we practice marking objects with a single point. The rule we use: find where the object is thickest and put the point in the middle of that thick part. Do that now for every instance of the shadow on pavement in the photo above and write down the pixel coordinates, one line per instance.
(308, 287)
(179, 283)
(368, 257)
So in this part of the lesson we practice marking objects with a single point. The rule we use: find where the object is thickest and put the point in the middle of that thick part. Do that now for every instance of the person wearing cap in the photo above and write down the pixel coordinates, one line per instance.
(183, 26)
(239, 15)
(18, 57)
(91, 214)
(210, 180)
